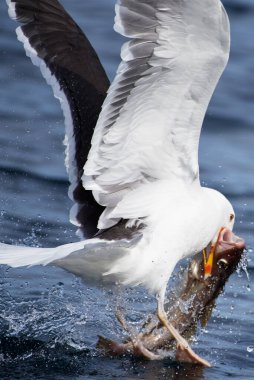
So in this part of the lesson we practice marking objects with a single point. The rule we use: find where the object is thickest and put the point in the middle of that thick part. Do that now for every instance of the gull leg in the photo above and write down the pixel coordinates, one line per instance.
(138, 348)
(149, 325)
(184, 351)
(121, 319)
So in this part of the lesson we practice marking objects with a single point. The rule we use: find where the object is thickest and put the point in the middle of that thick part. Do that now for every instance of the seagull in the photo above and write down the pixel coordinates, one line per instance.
(132, 145)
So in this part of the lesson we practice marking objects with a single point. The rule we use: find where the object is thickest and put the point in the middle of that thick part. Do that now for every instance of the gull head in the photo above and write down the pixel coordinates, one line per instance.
(224, 238)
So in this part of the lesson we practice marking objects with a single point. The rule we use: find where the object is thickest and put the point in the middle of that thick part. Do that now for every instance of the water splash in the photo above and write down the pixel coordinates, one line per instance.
(186, 305)
(243, 265)
(58, 315)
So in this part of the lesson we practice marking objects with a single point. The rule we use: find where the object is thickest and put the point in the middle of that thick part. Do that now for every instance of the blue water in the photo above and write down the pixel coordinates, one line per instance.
(49, 320)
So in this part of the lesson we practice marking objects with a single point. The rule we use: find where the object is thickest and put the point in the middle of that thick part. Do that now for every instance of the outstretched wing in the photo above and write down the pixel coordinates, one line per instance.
(150, 123)
(70, 65)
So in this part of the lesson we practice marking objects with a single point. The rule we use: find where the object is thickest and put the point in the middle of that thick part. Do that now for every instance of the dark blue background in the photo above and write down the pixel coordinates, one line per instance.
(48, 319)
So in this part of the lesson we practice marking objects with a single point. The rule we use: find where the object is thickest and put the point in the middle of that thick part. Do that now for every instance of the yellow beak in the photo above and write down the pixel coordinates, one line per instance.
(208, 260)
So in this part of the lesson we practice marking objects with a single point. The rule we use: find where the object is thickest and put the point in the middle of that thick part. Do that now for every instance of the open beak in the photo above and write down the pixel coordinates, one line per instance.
(226, 240)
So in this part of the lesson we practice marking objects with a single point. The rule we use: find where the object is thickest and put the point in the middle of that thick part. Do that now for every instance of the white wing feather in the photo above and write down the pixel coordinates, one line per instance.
(150, 123)
(90, 259)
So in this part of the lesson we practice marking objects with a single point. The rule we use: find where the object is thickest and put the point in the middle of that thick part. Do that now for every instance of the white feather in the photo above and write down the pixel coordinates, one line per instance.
(15, 256)
(90, 260)
(11, 9)
(143, 164)
(148, 259)
(150, 123)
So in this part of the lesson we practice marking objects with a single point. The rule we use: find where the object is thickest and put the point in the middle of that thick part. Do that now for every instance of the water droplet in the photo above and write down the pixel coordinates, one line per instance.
(243, 266)
(250, 348)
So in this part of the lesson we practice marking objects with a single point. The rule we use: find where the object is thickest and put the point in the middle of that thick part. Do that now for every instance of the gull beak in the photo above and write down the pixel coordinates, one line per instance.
(226, 240)
(208, 262)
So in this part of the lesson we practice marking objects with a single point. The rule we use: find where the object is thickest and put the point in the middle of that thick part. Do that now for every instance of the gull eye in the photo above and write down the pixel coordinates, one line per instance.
(231, 218)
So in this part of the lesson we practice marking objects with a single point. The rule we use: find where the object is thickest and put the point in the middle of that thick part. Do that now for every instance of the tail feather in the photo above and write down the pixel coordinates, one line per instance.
(18, 256)
(90, 259)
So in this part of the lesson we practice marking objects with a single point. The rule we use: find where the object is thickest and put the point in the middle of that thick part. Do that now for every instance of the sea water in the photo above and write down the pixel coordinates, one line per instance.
(49, 320)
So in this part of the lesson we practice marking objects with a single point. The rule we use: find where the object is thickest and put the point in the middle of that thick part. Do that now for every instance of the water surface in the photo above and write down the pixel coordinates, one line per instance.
(49, 320)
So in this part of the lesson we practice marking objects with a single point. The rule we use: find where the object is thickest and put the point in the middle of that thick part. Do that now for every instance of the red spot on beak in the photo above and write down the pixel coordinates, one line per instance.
(208, 270)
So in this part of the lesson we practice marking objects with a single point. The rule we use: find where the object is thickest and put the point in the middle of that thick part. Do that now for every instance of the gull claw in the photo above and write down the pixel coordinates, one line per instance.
(140, 351)
(187, 355)
(134, 347)
(184, 351)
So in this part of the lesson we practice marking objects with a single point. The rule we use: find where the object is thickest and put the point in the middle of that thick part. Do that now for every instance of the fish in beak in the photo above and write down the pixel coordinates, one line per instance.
(200, 295)
(226, 240)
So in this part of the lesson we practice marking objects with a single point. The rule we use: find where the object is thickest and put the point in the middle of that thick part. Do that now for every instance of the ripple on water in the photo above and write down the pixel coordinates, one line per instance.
(49, 320)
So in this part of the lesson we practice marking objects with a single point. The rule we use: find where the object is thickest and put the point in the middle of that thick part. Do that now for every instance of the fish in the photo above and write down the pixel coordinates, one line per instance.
(190, 303)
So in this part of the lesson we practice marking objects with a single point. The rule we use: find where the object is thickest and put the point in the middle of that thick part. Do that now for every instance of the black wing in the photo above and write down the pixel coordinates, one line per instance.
(70, 65)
